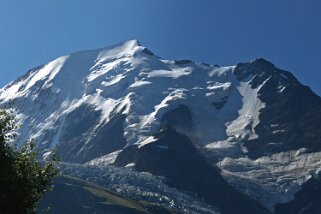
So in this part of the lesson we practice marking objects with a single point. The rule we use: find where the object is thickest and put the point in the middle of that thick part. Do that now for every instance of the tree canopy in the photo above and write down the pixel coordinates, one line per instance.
(24, 177)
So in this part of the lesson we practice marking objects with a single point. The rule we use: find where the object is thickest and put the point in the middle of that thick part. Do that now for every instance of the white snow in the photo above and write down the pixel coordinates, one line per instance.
(139, 84)
(218, 85)
(176, 73)
(106, 106)
(104, 160)
(21, 88)
(117, 51)
(46, 155)
(130, 165)
(147, 141)
(248, 114)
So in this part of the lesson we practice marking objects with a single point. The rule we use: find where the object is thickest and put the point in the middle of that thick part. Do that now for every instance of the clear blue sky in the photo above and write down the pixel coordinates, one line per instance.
(224, 32)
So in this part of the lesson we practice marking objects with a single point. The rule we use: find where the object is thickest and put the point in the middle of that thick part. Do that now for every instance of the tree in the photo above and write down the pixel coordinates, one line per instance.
(24, 178)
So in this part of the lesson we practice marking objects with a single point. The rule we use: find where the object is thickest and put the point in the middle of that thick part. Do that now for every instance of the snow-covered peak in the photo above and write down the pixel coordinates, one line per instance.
(92, 104)
(119, 50)
(128, 79)
(68, 73)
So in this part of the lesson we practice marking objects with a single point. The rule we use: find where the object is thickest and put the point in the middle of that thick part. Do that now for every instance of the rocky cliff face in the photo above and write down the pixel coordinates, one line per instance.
(247, 134)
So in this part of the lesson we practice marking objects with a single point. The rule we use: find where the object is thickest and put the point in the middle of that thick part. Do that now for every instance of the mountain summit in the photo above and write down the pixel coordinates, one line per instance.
(247, 135)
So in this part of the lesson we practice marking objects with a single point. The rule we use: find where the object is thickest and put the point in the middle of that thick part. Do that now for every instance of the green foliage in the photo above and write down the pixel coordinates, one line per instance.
(23, 177)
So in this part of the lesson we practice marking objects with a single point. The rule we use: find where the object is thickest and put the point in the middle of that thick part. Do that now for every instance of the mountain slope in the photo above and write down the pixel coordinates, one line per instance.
(290, 118)
(256, 125)
(172, 155)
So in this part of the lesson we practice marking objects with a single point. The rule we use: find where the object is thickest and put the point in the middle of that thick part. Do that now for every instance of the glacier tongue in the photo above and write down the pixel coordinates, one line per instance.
(272, 179)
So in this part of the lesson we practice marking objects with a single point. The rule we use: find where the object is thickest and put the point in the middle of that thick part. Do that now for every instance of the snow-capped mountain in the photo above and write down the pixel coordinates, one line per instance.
(226, 135)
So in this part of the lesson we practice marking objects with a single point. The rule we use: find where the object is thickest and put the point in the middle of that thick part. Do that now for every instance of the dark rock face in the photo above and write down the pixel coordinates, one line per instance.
(174, 156)
(74, 131)
(148, 52)
(259, 67)
(108, 138)
(291, 117)
(179, 118)
(307, 200)
(74, 145)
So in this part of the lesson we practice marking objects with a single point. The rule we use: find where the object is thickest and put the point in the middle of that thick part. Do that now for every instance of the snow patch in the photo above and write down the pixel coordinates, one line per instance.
(147, 141)
(175, 73)
(139, 84)
(105, 160)
(248, 114)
